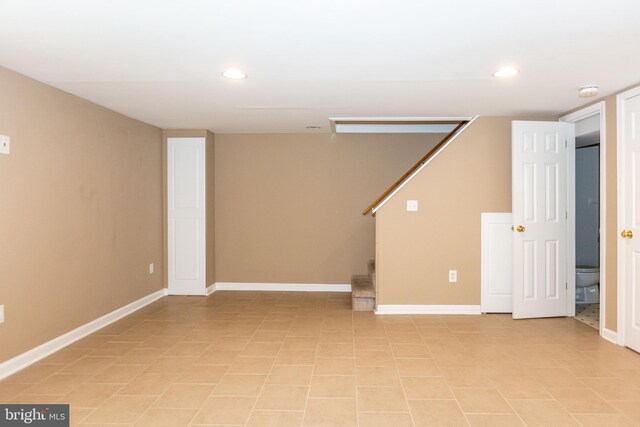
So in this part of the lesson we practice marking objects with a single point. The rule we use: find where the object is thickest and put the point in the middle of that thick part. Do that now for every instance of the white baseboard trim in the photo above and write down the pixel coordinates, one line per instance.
(186, 293)
(290, 287)
(610, 336)
(211, 289)
(427, 309)
(20, 362)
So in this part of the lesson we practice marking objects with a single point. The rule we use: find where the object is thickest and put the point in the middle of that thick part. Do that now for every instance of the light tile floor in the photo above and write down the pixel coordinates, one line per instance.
(280, 359)
(589, 314)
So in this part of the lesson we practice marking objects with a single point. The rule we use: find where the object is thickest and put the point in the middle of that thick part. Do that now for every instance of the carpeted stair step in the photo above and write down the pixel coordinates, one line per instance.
(372, 272)
(363, 295)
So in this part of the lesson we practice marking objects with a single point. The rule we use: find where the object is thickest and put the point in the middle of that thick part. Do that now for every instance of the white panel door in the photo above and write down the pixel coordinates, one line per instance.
(497, 256)
(630, 218)
(186, 215)
(539, 198)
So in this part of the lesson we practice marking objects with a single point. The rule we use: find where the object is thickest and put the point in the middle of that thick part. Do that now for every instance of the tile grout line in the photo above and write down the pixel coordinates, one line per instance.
(395, 363)
(159, 396)
(353, 330)
(315, 358)
(123, 385)
(198, 410)
(466, 418)
(510, 406)
(272, 365)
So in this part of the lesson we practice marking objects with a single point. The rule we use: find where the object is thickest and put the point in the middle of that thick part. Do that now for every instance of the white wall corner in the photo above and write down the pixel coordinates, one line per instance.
(24, 360)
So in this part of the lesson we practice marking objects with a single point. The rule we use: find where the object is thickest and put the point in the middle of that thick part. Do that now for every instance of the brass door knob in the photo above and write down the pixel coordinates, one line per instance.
(520, 229)
(627, 234)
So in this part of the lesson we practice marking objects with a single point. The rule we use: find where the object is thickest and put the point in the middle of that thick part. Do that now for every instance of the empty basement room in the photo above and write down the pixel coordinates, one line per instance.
(305, 213)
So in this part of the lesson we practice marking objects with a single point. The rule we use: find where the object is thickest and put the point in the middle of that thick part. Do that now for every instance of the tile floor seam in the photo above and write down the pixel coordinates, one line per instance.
(454, 395)
(146, 410)
(191, 422)
(98, 407)
(154, 402)
(353, 330)
(571, 414)
(306, 402)
(510, 406)
(395, 363)
(270, 368)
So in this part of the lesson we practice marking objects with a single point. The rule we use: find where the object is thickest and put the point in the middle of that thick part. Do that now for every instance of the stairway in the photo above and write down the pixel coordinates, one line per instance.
(363, 290)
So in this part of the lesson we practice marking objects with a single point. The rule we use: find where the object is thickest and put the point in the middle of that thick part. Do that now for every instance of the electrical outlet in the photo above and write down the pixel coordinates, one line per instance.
(151, 268)
(1, 313)
(453, 276)
(5, 144)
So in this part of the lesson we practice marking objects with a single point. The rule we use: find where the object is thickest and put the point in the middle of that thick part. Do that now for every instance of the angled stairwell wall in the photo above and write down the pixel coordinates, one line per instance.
(415, 250)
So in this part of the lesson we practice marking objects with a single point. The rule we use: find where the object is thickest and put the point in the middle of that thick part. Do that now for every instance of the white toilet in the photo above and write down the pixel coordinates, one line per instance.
(587, 284)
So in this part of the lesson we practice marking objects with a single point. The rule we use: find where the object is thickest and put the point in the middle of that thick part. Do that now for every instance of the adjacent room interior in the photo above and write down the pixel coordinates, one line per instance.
(587, 181)
(305, 214)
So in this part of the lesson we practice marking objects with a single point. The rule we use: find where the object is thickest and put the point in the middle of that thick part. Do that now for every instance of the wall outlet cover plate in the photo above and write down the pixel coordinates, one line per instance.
(5, 144)
(453, 276)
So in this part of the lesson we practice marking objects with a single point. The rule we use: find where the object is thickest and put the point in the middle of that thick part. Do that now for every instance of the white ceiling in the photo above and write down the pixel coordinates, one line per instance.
(160, 60)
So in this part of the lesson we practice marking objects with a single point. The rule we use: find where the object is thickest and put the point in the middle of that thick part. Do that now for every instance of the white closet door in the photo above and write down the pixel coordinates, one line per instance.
(497, 257)
(186, 215)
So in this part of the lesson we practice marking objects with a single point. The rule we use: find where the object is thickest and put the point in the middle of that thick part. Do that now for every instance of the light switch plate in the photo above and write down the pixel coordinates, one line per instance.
(5, 144)
(2, 313)
(412, 206)
(151, 268)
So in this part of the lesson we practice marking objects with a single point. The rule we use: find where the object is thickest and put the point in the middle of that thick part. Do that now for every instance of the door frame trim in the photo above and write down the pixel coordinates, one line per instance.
(621, 98)
(576, 116)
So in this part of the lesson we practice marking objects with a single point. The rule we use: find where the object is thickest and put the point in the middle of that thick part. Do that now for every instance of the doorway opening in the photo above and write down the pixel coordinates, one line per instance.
(587, 225)
(587, 265)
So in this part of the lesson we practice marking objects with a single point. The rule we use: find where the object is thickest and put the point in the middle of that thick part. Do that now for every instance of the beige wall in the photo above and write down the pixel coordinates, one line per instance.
(210, 193)
(479, 166)
(289, 206)
(415, 250)
(611, 299)
(80, 212)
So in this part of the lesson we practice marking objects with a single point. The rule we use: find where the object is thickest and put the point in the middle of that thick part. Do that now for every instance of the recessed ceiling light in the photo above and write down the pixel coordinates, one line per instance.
(506, 72)
(313, 127)
(588, 91)
(234, 74)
